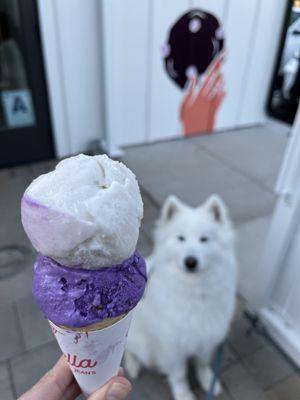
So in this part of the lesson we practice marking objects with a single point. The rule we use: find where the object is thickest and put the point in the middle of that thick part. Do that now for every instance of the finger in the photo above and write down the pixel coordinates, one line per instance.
(214, 67)
(210, 83)
(72, 391)
(53, 384)
(192, 92)
(121, 372)
(218, 100)
(116, 389)
(218, 60)
(216, 88)
(190, 86)
(183, 108)
(62, 373)
(189, 95)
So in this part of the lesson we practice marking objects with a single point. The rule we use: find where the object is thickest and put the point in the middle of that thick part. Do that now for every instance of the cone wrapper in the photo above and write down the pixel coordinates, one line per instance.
(93, 356)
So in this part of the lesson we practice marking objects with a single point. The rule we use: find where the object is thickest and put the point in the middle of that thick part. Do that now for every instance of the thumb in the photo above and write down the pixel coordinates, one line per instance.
(116, 389)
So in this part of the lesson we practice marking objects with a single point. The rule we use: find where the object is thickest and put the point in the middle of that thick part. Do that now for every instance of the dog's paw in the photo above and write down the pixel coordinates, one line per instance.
(188, 396)
(206, 376)
(218, 390)
(132, 365)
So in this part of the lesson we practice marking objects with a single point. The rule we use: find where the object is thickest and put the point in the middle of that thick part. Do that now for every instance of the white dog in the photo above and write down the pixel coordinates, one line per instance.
(190, 297)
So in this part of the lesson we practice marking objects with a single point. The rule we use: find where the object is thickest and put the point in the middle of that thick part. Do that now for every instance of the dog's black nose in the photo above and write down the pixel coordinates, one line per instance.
(191, 263)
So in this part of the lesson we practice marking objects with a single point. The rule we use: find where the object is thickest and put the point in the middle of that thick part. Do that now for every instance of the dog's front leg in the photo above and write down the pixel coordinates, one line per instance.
(178, 381)
(206, 375)
(132, 365)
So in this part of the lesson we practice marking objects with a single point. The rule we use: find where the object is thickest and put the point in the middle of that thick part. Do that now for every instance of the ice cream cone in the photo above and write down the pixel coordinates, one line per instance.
(84, 218)
(94, 352)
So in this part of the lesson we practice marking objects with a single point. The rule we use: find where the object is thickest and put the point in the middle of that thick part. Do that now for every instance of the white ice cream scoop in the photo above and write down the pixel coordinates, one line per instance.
(86, 213)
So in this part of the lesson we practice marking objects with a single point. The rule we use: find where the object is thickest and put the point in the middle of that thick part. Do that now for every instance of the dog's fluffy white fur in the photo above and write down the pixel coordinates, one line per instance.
(190, 296)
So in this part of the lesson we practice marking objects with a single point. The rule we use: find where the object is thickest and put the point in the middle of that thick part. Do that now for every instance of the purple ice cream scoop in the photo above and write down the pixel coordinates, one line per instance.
(78, 297)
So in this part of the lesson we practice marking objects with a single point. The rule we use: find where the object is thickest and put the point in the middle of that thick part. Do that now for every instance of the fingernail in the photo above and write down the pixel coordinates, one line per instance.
(117, 391)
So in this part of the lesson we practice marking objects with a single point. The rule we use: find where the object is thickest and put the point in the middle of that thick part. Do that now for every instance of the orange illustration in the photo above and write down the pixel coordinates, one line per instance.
(201, 103)
(193, 55)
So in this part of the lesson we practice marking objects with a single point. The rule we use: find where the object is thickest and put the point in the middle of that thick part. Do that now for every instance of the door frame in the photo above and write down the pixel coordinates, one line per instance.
(284, 223)
(23, 137)
(284, 220)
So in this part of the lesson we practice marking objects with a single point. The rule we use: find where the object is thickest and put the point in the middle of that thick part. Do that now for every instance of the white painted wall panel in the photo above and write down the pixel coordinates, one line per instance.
(77, 23)
(240, 24)
(55, 79)
(126, 28)
(73, 67)
(265, 44)
(216, 7)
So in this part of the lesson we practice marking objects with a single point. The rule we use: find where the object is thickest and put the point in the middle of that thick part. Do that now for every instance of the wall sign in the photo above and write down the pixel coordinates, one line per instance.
(18, 108)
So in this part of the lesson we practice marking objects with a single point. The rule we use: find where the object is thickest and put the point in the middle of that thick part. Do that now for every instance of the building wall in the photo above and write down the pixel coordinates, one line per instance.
(106, 78)
(72, 53)
(143, 103)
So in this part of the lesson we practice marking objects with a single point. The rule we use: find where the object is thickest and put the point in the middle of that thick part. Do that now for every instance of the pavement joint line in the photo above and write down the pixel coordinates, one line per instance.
(19, 324)
(224, 161)
(150, 196)
(246, 220)
(281, 380)
(37, 348)
(11, 378)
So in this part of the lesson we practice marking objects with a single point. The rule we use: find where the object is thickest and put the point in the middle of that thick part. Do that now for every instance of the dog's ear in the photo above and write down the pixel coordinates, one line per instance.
(217, 208)
(171, 207)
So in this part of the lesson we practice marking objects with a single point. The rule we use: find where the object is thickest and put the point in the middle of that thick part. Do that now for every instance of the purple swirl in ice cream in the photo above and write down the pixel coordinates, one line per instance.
(86, 212)
(79, 297)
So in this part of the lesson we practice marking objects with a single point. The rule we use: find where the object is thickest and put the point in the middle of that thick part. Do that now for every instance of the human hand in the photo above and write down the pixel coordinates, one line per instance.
(200, 105)
(59, 384)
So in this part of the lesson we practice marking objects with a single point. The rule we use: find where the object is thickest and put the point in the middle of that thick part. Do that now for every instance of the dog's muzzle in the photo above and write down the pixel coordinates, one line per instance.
(191, 263)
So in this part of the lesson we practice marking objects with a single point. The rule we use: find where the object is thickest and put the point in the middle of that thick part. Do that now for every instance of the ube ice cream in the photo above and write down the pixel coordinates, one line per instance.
(81, 297)
(84, 218)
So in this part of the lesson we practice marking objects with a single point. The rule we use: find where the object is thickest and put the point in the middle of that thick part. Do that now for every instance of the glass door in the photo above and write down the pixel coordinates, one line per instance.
(285, 89)
(25, 131)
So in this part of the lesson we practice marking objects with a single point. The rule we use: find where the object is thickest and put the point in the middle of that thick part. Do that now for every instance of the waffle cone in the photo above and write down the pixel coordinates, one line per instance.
(97, 326)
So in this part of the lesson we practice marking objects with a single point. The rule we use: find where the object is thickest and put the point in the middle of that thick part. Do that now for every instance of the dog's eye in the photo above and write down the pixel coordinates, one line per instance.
(204, 239)
(181, 238)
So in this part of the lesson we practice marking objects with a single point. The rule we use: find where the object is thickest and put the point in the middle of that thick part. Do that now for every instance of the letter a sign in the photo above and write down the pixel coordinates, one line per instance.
(18, 108)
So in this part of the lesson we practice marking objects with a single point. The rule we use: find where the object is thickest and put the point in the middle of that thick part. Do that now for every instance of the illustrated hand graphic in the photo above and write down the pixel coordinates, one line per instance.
(200, 105)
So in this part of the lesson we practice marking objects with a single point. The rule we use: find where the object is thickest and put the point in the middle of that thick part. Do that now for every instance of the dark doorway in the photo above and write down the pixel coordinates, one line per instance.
(285, 89)
(25, 130)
